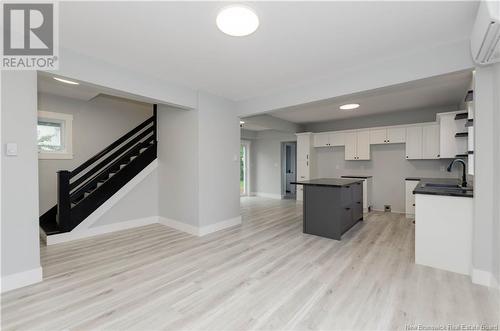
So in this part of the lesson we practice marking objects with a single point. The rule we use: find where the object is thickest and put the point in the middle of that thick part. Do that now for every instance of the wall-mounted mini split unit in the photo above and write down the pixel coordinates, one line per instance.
(485, 38)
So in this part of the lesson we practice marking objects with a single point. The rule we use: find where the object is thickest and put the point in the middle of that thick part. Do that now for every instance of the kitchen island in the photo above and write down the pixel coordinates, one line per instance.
(331, 206)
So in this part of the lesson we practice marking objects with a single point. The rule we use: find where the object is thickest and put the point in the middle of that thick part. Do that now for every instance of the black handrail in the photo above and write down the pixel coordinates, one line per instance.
(110, 158)
(94, 180)
(108, 149)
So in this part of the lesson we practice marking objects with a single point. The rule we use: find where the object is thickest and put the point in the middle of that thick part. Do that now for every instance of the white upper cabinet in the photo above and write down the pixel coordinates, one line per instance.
(396, 135)
(378, 136)
(414, 142)
(430, 143)
(336, 138)
(423, 141)
(321, 140)
(388, 136)
(363, 145)
(350, 140)
(328, 139)
(357, 145)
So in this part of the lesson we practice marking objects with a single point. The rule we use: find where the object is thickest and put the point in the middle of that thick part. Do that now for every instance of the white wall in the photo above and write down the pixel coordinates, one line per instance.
(96, 124)
(496, 142)
(484, 171)
(219, 151)
(139, 203)
(265, 161)
(198, 172)
(19, 206)
(178, 164)
(486, 257)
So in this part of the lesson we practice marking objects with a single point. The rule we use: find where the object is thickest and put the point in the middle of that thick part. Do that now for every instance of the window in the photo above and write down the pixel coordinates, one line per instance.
(54, 134)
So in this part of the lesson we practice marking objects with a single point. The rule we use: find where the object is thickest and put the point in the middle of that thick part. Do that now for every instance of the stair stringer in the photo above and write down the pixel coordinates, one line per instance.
(86, 229)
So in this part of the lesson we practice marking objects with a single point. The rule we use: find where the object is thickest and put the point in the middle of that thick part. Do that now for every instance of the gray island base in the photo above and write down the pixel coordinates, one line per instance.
(331, 206)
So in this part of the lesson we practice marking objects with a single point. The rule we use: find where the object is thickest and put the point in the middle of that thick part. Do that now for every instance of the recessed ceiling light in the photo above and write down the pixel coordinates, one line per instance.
(349, 106)
(66, 81)
(237, 21)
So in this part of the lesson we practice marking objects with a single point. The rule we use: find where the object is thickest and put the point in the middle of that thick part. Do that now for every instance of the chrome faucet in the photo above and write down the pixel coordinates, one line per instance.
(464, 173)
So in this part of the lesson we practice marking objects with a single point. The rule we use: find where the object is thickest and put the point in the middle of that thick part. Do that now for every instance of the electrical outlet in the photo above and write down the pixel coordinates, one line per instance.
(337, 166)
(442, 168)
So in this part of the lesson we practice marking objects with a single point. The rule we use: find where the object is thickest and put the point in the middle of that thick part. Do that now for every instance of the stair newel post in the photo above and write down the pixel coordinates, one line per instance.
(63, 200)
(155, 122)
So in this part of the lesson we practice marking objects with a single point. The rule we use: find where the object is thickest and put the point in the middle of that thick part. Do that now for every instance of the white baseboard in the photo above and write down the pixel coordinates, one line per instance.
(20, 279)
(267, 195)
(207, 229)
(392, 211)
(103, 229)
(200, 231)
(188, 228)
(485, 278)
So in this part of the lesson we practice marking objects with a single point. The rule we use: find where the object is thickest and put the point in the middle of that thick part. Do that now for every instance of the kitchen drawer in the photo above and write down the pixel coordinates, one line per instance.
(346, 196)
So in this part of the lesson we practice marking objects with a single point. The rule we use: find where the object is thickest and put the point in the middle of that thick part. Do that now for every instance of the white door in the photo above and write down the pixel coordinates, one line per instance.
(414, 142)
(244, 168)
(396, 135)
(430, 141)
(378, 136)
(350, 139)
(363, 145)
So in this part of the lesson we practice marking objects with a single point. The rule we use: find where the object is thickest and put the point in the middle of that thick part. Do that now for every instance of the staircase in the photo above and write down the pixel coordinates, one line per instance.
(81, 191)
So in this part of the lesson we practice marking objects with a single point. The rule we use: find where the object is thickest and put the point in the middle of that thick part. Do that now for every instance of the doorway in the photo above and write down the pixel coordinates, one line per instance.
(244, 168)
(288, 169)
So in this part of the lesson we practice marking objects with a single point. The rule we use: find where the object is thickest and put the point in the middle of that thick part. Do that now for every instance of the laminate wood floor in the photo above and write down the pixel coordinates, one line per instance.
(263, 275)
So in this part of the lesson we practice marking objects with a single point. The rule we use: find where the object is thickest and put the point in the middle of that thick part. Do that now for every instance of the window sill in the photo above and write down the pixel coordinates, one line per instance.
(55, 156)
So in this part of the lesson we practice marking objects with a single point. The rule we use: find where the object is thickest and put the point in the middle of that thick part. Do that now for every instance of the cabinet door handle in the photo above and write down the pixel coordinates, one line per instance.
(358, 203)
(348, 208)
(413, 205)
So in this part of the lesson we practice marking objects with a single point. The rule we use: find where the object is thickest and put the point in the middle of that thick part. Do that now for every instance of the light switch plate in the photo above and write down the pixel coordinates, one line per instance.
(11, 149)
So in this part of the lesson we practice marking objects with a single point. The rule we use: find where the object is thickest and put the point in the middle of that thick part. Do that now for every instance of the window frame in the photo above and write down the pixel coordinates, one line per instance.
(66, 135)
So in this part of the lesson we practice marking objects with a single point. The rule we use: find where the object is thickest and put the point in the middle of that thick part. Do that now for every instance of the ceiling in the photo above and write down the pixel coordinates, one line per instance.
(433, 92)
(46, 84)
(296, 42)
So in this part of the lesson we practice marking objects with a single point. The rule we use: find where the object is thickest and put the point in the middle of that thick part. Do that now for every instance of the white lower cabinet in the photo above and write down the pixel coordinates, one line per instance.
(410, 197)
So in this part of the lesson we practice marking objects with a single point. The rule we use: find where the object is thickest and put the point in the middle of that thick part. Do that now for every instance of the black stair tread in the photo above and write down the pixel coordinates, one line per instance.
(50, 227)
(461, 116)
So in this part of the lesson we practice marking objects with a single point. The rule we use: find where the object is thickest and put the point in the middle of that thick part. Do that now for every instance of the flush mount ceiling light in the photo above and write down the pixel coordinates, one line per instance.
(66, 81)
(241, 122)
(237, 21)
(349, 106)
